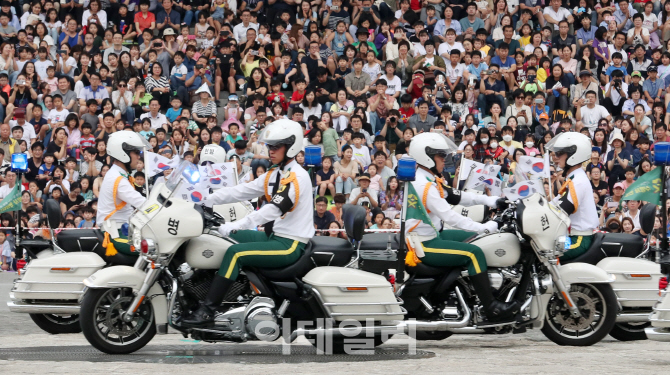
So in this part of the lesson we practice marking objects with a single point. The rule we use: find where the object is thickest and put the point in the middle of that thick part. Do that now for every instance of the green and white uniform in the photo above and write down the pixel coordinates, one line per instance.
(447, 249)
(290, 206)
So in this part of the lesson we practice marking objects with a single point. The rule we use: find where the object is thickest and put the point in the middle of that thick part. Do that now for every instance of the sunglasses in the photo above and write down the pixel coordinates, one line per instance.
(274, 147)
(494, 71)
(122, 85)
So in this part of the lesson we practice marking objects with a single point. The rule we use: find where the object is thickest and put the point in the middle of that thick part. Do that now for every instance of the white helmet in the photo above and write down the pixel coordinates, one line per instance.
(576, 145)
(284, 132)
(212, 153)
(423, 148)
(121, 143)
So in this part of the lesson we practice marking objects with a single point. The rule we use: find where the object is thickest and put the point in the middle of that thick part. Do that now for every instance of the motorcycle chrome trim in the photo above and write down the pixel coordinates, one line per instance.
(152, 275)
(563, 290)
(636, 290)
(625, 317)
(332, 255)
(429, 308)
(358, 255)
(657, 333)
(50, 282)
(282, 308)
(326, 310)
(52, 291)
(42, 309)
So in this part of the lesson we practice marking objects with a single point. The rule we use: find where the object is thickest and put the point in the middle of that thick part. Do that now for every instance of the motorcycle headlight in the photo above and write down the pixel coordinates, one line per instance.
(561, 245)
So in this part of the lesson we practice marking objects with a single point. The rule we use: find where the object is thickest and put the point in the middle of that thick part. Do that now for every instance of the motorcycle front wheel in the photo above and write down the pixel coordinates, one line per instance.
(597, 304)
(57, 324)
(103, 325)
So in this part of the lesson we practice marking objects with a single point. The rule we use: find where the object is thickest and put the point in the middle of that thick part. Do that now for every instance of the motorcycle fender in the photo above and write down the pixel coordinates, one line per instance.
(130, 277)
(575, 273)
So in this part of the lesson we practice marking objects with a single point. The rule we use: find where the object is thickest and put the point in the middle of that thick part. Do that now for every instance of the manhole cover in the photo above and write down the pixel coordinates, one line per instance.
(208, 353)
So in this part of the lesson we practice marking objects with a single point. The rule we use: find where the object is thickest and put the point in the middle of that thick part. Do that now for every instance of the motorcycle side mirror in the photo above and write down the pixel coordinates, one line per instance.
(52, 208)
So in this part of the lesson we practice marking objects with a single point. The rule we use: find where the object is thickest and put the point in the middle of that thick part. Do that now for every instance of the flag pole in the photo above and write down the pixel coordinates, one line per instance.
(467, 179)
(146, 174)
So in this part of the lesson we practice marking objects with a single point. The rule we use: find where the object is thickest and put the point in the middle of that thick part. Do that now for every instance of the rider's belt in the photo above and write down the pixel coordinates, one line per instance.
(294, 238)
(581, 233)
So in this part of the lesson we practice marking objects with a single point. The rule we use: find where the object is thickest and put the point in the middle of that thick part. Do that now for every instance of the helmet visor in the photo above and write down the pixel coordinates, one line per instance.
(551, 145)
(451, 146)
(272, 139)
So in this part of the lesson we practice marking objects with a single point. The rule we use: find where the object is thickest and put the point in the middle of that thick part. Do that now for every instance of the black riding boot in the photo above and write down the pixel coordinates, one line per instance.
(205, 313)
(494, 309)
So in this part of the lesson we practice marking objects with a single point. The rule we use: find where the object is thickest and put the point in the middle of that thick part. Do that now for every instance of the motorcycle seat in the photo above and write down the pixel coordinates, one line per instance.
(319, 252)
(424, 270)
(606, 245)
(90, 240)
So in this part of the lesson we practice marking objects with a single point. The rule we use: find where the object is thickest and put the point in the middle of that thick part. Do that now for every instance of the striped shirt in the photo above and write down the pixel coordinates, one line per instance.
(204, 111)
(151, 83)
(336, 17)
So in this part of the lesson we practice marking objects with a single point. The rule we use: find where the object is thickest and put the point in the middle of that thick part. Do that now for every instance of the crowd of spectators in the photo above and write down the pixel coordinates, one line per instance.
(499, 77)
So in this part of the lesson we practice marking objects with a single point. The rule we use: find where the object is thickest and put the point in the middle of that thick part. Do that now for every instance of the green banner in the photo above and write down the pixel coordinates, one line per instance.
(12, 202)
(647, 188)
(415, 209)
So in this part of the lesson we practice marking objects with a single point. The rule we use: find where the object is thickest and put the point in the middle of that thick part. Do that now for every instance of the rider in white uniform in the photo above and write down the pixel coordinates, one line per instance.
(570, 150)
(449, 247)
(118, 197)
(288, 218)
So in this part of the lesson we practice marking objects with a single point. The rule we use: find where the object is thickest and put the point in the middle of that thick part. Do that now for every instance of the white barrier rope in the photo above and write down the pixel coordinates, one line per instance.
(366, 231)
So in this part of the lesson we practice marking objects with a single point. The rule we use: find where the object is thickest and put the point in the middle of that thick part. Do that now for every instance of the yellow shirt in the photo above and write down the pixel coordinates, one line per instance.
(542, 75)
(248, 67)
(524, 41)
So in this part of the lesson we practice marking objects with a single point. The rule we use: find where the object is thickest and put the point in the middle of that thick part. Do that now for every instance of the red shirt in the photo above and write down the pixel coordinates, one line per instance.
(297, 96)
(282, 100)
(144, 23)
(406, 113)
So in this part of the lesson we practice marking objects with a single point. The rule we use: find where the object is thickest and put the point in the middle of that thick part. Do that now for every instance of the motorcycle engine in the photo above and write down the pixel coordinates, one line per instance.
(196, 284)
(504, 279)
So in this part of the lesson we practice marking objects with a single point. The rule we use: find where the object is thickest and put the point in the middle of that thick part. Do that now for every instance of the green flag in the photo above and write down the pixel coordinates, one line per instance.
(415, 208)
(647, 188)
(12, 202)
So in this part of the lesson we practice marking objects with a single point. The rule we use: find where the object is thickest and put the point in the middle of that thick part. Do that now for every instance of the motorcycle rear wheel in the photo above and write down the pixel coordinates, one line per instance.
(57, 324)
(101, 322)
(629, 332)
(596, 302)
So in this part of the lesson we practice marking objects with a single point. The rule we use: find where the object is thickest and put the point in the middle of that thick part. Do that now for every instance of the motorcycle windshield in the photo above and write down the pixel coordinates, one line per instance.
(185, 171)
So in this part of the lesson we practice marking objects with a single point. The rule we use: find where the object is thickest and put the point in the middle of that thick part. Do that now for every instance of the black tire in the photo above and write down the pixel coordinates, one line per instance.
(629, 332)
(95, 323)
(57, 324)
(431, 335)
(603, 300)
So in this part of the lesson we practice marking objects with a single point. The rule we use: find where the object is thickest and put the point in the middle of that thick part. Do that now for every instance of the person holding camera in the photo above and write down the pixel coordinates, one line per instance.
(428, 96)
(22, 96)
(616, 93)
(589, 112)
(363, 193)
(491, 89)
(364, 12)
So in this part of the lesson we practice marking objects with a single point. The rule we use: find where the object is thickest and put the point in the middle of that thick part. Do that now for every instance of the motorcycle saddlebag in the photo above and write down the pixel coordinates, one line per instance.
(355, 294)
(59, 277)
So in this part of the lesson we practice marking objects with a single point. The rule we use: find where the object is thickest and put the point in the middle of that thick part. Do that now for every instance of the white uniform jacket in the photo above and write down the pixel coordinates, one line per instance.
(576, 198)
(291, 208)
(124, 193)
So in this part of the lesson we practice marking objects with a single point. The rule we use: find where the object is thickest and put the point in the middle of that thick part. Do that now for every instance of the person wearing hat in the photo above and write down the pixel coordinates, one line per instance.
(652, 86)
(363, 193)
(587, 82)
(616, 92)
(116, 48)
(617, 160)
(362, 37)
(589, 113)
(544, 126)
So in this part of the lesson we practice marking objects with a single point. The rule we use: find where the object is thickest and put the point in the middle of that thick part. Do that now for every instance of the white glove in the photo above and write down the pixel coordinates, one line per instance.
(226, 228)
(490, 227)
(207, 202)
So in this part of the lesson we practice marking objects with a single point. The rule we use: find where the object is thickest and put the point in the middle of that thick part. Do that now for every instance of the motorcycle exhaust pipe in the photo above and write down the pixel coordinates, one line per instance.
(633, 317)
(402, 327)
(440, 325)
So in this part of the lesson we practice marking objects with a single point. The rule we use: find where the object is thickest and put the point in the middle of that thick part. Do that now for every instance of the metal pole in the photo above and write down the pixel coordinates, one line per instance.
(467, 179)
(19, 179)
(402, 252)
(146, 175)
